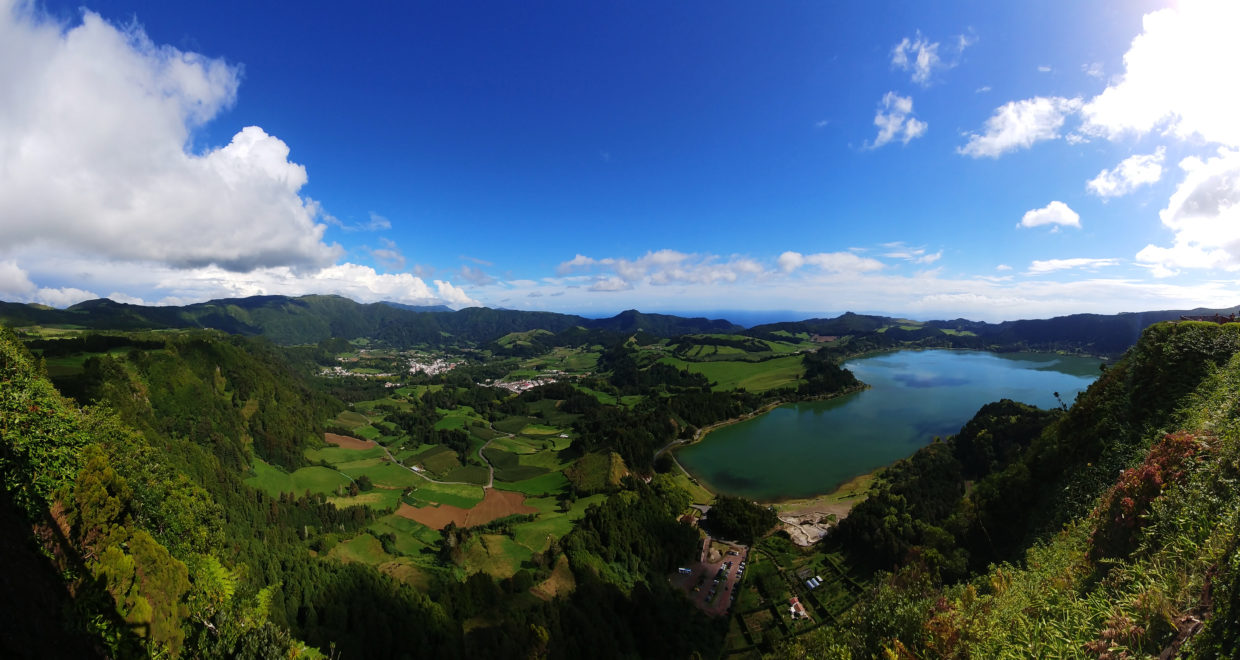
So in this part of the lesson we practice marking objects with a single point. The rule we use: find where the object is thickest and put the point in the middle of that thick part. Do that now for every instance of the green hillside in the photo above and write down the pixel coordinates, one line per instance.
(186, 482)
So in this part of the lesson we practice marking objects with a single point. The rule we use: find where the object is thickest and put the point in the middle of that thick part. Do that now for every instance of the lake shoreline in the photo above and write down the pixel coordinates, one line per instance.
(671, 448)
(788, 464)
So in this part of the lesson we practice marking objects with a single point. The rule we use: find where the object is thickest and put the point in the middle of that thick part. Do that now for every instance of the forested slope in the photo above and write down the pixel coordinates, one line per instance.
(1107, 530)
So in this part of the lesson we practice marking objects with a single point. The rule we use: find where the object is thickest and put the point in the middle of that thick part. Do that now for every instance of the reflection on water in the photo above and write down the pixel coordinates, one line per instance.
(805, 449)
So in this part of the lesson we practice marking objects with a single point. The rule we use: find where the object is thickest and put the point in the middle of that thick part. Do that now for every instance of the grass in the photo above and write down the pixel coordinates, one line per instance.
(403, 527)
(273, 480)
(363, 549)
(367, 432)
(514, 445)
(409, 534)
(379, 498)
(442, 460)
(460, 495)
(752, 376)
(514, 424)
(544, 459)
(336, 455)
(351, 420)
(696, 491)
(474, 474)
(495, 554)
(385, 474)
(508, 466)
(552, 482)
(603, 397)
(540, 429)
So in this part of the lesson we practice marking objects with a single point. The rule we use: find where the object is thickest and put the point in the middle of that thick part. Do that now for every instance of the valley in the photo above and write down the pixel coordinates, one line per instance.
(530, 475)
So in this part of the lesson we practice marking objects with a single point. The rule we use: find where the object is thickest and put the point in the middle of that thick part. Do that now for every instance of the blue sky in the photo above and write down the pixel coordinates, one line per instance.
(978, 159)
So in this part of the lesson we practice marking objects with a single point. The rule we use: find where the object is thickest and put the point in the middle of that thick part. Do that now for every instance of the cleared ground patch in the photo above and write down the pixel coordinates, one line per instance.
(559, 583)
(346, 442)
(496, 504)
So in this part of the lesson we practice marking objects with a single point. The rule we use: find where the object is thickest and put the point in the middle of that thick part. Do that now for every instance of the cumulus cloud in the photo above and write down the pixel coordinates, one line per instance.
(14, 281)
(1131, 173)
(663, 267)
(1175, 77)
(103, 182)
(612, 283)
(63, 296)
(1052, 265)
(1204, 214)
(1019, 124)
(830, 262)
(895, 120)
(920, 56)
(1056, 213)
(95, 132)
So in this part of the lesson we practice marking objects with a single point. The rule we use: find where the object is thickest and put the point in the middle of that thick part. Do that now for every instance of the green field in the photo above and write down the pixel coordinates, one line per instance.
(384, 474)
(336, 455)
(495, 554)
(552, 482)
(514, 424)
(473, 474)
(752, 376)
(508, 466)
(273, 480)
(411, 537)
(363, 548)
(460, 495)
(379, 498)
(350, 419)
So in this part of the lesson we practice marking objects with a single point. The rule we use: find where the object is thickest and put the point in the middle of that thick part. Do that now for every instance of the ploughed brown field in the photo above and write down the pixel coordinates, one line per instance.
(346, 442)
(496, 504)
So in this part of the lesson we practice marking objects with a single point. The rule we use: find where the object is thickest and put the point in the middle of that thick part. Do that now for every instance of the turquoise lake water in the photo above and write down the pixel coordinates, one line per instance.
(805, 449)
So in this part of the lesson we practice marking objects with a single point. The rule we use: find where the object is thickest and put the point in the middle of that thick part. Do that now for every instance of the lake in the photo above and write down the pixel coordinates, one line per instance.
(805, 449)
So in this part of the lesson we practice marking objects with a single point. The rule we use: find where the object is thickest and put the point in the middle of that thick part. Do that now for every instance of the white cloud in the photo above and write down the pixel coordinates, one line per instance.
(917, 255)
(63, 296)
(612, 283)
(920, 56)
(664, 267)
(1044, 69)
(1204, 214)
(1130, 174)
(831, 262)
(895, 120)
(1177, 77)
(1093, 69)
(167, 285)
(1003, 267)
(1019, 124)
(1052, 265)
(96, 124)
(1056, 213)
(14, 282)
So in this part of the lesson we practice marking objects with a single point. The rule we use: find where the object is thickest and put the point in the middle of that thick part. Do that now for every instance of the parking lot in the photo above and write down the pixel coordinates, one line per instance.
(711, 582)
